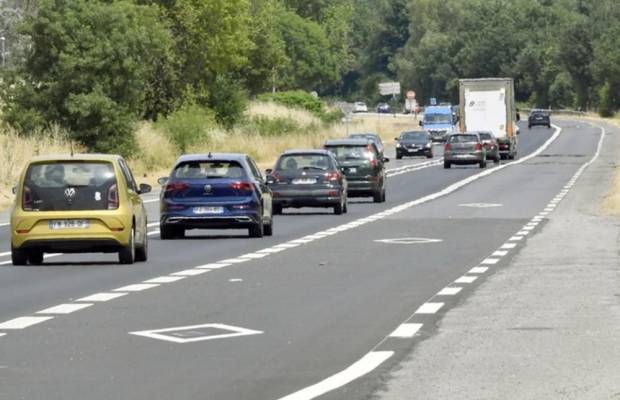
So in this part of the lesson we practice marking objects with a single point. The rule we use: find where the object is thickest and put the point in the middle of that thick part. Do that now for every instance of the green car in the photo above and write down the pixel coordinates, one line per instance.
(363, 165)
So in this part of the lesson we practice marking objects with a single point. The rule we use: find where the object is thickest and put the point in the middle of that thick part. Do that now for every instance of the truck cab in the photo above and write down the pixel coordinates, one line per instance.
(439, 121)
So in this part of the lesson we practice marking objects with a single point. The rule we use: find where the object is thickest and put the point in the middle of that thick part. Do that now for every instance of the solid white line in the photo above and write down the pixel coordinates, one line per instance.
(102, 297)
(358, 369)
(466, 279)
(429, 308)
(478, 270)
(138, 287)
(406, 331)
(23, 322)
(490, 261)
(449, 291)
(214, 266)
(165, 279)
(65, 308)
(235, 260)
(190, 272)
(254, 255)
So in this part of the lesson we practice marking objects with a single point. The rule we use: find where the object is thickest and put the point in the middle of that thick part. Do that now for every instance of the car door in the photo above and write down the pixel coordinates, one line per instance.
(137, 205)
(266, 195)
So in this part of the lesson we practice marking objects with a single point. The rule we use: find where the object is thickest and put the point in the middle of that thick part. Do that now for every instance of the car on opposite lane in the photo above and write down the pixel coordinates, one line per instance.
(383, 108)
(363, 166)
(82, 203)
(490, 146)
(539, 118)
(414, 143)
(376, 139)
(464, 148)
(360, 107)
(307, 178)
(215, 191)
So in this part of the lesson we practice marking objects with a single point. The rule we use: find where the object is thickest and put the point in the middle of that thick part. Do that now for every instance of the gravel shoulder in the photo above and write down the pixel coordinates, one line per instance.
(547, 326)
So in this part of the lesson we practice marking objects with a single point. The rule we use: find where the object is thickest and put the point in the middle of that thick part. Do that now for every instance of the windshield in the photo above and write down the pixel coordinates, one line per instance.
(210, 169)
(349, 153)
(463, 138)
(414, 136)
(437, 118)
(294, 162)
(59, 186)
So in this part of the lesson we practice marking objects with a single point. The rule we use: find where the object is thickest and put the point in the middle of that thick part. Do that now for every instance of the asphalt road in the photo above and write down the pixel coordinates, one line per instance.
(315, 298)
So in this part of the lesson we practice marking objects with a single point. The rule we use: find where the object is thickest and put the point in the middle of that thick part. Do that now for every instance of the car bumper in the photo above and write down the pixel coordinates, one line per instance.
(413, 152)
(539, 123)
(362, 188)
(71, 245)
(466, 158)
(236, 221)
(307, 198)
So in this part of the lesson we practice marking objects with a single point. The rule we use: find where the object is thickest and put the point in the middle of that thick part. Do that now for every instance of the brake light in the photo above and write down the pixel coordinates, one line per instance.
(242, 186)
(27, 199)
(175, 187)
(113, 197)
(447, 147)
(478, 146)
(332, 176)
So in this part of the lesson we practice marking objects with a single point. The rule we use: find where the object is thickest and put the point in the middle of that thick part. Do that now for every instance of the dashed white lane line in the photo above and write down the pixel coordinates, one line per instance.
(137, 287)
(358, 369)
(23, 322)
(449, 291)
(102, 297)
(271, 250)
(214, 266)
(153, 233)
(2, 334)
(429, 308)
(523, 233)
(516, 238)
(190, 272)
(499, 253)
(466, 279)
(478, 270)
(235, 260)
(507, 246)
(8, 253)
(152, 224)
(406, 331)
(65, 308)
(165, 279)
(490, 261)
(235, 280)
(254, 255)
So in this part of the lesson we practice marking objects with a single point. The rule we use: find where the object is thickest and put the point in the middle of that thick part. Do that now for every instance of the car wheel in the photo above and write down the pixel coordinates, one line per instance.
(277, 209)
(257, 230)
(127, 254)
(497, 160)
(346, 206)
(142, 252)
(376, 197)
(19, 257)
(549, 126)
(383, 196)
(447, 165)
(35, 257)
(339, 208)
(268, 229)
(483, 164)
(399, 156)
(529, 127)
(429, 155)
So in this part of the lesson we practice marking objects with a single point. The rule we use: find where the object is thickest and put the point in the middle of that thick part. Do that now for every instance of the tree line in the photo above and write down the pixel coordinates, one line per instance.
(95, 67)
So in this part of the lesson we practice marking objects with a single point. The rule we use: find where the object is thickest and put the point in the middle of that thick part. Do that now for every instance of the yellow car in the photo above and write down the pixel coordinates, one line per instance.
(78, 204)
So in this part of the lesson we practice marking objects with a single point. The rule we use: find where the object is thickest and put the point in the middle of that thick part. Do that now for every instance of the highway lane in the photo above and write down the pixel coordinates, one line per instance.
(309, 301)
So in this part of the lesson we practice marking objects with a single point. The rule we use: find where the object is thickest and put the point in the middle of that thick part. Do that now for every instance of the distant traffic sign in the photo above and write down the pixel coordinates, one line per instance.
(389, 88)
(433, 101)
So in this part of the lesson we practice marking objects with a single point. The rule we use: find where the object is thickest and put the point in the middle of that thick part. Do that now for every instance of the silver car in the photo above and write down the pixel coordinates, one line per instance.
(464, 148)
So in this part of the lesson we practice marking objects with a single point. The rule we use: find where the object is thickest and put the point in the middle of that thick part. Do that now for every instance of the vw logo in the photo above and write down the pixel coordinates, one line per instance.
(70, 193)
(208, 189)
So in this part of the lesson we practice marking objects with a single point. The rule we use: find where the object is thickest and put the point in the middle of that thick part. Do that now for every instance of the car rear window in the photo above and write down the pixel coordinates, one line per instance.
(485, 136)
(463, 138)
(209, 169)
(348, 152)
(291, 162)
(70, 185)
(414, 136)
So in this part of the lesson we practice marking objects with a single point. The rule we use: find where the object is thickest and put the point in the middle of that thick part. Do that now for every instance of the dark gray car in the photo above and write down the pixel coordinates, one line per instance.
(307, 178)
(490, 145)
(414, 143)
(376, 139)
(464, 148)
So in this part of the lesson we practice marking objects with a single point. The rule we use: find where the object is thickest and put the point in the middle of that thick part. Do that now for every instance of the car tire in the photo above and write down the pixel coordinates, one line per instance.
(35, 257)
(383, 196)
(277, 209)
(377, 196)
(483, 164)
(19, 257)
(257, 230)
(497, 160)
(127, 254)
(529, 127)
(549, 126)
(447, 165)
(399, 156)
(268, 229)
(346, 206)
(430, 155)
(142, 252)
(339, 208)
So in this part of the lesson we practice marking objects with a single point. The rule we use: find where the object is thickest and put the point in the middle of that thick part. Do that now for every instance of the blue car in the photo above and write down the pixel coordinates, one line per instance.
(215, 191)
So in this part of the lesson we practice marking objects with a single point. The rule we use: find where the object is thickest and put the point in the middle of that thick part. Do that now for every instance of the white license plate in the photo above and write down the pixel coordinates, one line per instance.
(352, 170)
(69, 224)
(208, 210)
(304, 181)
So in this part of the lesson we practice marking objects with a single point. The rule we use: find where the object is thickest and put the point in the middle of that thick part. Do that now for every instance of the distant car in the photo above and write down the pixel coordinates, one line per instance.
(376, 139)
(308, 178)
(215, 191)
(414, 143)
(490, 146)
(363, 166)
(360, 107)
(82, 203)
(539, 118)
(464, 148)
(383, 108)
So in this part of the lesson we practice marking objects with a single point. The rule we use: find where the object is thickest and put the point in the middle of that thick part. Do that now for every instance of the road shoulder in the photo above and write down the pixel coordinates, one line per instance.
(548, 325)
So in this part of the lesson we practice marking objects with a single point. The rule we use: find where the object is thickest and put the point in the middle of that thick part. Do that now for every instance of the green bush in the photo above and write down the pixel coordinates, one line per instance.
(188, 125)
(266, 126)
(305, 101)
(229, 101)
(605, 105)
(562, 92)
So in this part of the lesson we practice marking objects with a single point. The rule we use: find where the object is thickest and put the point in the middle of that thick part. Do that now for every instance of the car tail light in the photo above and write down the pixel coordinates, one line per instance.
(332, 176)
(174, 187)
(113, 197)
(242, 186)
(478, 146)
(27, 199)
(447, 147)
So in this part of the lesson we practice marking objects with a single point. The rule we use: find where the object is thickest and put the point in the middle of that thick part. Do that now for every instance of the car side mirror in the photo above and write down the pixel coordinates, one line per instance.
(421, 123)
(386, 160)
(144, 188)
(14, 189)
(162, 181)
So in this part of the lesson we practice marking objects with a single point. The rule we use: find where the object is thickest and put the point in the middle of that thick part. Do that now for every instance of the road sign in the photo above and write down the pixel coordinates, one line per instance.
(433, 101)
(389, 88)
(411, 95)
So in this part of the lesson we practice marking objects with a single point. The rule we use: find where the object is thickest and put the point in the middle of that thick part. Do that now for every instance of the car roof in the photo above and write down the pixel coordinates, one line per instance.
(438, 109)
(240, 157)
(306, 151)
(77, 157)
(348, 142)
(418, 131)
(364, 134)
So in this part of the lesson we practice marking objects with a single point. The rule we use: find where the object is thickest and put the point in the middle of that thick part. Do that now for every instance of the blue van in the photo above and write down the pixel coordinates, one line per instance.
(439, 121)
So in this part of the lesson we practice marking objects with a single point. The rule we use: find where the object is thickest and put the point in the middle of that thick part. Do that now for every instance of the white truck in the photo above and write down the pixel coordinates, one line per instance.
(488, 104)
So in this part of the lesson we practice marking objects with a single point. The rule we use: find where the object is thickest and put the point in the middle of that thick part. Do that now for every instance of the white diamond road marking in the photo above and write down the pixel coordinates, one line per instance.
(409, 240)
(65, 308)
(478, 270)
(466, 279)
(101, 297)
(429, 308)
(23, 322)
(165, 279)
(138, 287)
(449, 291)
(233, 331)
(406, 331)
